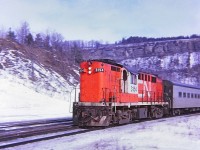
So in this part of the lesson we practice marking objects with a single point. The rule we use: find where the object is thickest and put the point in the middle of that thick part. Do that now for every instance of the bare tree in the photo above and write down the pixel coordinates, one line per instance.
(11, 35)
(29, 40)
(2, 32)
(76, 53)
(56, 40)
(39, 41)
(23, 32)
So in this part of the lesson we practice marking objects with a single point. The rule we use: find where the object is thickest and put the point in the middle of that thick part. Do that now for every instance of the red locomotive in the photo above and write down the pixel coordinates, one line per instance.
(112, 94)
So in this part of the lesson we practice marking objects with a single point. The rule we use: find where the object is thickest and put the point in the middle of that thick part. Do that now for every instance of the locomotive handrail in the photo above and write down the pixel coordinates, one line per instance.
(112, 96)
(70, 101)
(151, 96)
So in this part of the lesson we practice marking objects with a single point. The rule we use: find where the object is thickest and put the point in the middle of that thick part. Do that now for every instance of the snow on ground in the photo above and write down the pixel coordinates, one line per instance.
(19, 102)
(178, 133)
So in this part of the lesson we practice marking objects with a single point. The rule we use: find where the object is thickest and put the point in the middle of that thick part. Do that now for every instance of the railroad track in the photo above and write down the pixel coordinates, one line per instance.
(32, 122)
(18, 133)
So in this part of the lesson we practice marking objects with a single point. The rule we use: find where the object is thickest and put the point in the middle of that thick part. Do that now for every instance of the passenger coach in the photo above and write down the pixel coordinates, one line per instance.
(182, 98)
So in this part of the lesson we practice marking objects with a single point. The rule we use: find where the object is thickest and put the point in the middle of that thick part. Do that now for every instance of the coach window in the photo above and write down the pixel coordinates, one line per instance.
(192, 95)
(142, 77)
(198, 96)
(195, 95)
(179, 94)
(188, 95)
(184, 95)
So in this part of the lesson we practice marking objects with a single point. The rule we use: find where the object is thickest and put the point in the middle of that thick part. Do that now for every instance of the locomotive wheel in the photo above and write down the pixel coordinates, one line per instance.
(157, 112)
(176, 112)
(124, 116)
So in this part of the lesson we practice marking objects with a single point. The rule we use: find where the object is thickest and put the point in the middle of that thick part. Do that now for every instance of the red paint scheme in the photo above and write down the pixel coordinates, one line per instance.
(103, 82)
(112, 94)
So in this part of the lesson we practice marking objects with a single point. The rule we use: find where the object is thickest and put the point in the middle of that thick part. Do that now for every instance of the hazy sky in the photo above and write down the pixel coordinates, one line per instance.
(107, 20)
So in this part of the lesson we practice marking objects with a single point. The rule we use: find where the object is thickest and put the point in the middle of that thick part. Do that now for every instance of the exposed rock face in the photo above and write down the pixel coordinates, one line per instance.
(176, 60)
(145, 49)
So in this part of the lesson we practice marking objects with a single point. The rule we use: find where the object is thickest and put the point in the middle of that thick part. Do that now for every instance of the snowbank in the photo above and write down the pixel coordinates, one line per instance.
(19, 102)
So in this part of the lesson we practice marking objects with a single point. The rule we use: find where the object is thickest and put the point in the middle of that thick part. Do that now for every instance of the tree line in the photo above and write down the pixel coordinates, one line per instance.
(73, 50)
(137, 39)
(51, 41)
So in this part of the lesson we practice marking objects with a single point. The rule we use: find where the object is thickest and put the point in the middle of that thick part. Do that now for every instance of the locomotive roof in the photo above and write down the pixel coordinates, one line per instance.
(186, 85)
(130, 69)
(108, 61)
(134, 71)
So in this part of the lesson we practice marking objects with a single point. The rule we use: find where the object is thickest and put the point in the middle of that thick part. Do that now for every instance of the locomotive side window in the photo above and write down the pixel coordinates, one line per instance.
(125, 76)
(133, 79)
(142, 77)
(145, 77)
(139, 76)
(179, 94)
(153, 79)
(148, 77)
(113, 68)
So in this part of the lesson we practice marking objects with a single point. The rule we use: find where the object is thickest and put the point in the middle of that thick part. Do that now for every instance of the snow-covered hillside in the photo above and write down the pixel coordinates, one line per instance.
(30, 91)
(16, 67)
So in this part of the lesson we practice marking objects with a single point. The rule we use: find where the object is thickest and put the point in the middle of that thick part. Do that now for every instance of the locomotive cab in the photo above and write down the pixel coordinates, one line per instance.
(99, 87)
(99, 81)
